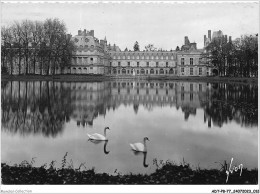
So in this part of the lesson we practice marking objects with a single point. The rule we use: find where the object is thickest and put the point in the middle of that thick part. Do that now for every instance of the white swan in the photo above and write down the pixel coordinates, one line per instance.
(139, 147)
(99, 137)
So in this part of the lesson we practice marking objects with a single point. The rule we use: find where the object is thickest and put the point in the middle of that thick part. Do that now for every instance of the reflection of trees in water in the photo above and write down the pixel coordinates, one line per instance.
(35, 108)
(233, 102)
(43, 107)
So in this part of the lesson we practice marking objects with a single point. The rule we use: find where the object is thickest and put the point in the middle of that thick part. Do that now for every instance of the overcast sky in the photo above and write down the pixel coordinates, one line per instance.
(162, 24)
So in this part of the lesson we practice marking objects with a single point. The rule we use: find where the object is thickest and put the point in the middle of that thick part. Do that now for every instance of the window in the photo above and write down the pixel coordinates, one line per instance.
(200, 71)
(191, 97)
(182, 96)
(123, 71)
(200, 87)
(191, 71)
(91, 59)
(182, 69)
(166, 64)
(200, 60)
(142, 71)
(118, 71)
(128, 64)
(191, 87)
(137, 64)
(161, 71)
(114, 70)
(119, 64)
(171, 71)
(157, 64)
(191, 61)
(147, 64)
(110, 63)
(182, 61)
(152, 71)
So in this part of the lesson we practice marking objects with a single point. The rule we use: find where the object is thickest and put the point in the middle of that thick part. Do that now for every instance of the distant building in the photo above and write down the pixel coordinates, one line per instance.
(95, 56)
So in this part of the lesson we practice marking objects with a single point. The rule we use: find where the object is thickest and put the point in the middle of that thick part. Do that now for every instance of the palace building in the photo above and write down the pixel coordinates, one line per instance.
(94, 56)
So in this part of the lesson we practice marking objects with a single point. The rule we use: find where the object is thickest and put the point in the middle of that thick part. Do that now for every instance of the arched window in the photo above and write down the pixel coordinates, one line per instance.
(142, 71)
(152, 71)
(123, 71)
(171, 71)
(161, 71)
(114, 70)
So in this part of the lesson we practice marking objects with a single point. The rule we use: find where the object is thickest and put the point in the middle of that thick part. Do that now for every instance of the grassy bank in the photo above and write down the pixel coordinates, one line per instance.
(166, 173)
(79, 78)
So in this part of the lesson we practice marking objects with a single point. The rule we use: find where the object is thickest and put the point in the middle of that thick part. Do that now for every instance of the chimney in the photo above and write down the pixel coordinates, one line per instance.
(186, 40)
(91, 33)
(85, 32)
(205, 38)
(209, 34)
(79, 32)
(225, 38)
(230, 39)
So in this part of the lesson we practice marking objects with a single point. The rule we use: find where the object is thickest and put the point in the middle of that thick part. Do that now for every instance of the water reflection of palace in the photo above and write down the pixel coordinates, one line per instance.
(186, 95)
(88, 100)
(45, 106)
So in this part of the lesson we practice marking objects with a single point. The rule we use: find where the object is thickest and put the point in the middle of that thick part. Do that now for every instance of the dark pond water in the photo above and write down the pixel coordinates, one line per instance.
(201, 122)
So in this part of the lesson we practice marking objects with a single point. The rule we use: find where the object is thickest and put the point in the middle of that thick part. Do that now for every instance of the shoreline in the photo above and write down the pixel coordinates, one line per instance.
(166, 174)
(98, 78)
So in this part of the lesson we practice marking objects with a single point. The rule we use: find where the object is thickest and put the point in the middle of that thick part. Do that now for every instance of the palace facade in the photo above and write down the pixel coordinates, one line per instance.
(94, 56)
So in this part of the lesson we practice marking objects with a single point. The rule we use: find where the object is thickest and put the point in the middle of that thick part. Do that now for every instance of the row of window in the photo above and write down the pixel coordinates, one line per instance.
(147, 64)
(142, 71)
(143, 57)
(143, 98)
(83, 58)
(191, 70)
(191, 61)
(142, 84)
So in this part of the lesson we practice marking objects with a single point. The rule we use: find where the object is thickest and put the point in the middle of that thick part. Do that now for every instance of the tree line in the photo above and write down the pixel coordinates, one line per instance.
(35, 47)
(237, 58)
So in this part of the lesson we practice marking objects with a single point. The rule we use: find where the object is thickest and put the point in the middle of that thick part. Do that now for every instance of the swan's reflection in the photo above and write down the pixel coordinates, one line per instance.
(98, 142)
(140, 148)
(144, 154)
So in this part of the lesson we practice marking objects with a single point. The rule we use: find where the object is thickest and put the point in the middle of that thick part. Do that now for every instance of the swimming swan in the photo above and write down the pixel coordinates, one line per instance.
(99, 137)
(139, 147)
